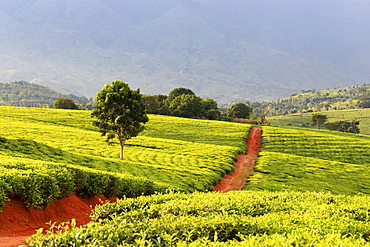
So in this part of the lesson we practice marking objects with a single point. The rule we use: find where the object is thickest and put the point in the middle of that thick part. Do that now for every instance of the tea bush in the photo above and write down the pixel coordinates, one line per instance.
(39, 183)
(222, 219)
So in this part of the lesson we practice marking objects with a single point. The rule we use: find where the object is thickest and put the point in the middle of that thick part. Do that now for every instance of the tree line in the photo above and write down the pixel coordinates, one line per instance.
(317, 101)
(121, 113)
(181, 102)
(320, 120)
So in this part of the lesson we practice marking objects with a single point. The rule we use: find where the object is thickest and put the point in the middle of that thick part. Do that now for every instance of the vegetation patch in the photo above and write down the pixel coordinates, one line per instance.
(222, 219)
(312, 160)
(39, 183)
(21, 93)
(62, 151)
(319, 100)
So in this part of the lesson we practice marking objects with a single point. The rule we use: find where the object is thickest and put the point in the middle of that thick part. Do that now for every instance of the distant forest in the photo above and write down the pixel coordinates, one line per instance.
(21, 93)
(317, 101)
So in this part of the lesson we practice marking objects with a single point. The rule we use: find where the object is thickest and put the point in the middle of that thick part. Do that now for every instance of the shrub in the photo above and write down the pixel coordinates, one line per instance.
(222, 219)
(4, 191)
(64, 103)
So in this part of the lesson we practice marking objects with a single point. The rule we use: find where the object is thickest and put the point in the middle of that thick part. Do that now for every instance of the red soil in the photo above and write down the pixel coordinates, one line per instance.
(17, 222)
(237, 179)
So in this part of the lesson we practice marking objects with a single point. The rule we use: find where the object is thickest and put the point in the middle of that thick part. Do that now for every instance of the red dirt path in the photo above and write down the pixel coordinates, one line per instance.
(17, 222)
(237, 179)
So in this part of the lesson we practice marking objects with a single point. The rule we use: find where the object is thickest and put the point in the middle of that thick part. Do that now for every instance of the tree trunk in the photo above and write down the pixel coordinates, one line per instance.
(122, 145)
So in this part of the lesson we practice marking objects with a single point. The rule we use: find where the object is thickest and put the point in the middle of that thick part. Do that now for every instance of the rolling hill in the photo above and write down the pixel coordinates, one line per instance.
(318, 100)
(38, 141)
(21, 93)
(304, 120)
(309, 186)
(338, 104)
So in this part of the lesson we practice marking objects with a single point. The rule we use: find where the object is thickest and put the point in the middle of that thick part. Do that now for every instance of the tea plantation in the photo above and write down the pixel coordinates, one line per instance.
(312, 160)
(310, 187)
(47, 153)
(236, 218)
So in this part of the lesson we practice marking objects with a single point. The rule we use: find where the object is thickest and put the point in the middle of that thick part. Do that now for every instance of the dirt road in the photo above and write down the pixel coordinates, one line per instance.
(236, 180)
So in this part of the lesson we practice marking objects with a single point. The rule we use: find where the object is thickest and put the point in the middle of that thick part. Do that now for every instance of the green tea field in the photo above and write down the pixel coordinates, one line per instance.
(236, 218)
(302, 159)
(310, 187)
(60, 149)
(303, 120)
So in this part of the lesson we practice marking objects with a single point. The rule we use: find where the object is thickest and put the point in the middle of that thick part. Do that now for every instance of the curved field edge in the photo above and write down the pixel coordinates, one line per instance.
(236, 218)
(46, 153)
(312, 160)
(39, 183)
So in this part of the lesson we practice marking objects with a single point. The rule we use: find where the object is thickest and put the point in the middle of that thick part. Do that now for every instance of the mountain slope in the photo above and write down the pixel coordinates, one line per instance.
(77, 46)
(22, 93)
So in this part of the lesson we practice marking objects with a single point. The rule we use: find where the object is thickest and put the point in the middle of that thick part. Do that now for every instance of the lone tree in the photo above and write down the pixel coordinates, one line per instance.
(318, 119)
(64, 103)
(120, 112)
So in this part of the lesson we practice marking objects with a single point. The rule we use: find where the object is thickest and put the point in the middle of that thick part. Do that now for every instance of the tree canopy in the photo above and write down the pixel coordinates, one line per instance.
(187, 105)
(182, 102)
(177, 92)
(318, 119)
(239, 110)
(364, 101)
(64, 103)
(344, 126)
(120, 112)
(151, 103)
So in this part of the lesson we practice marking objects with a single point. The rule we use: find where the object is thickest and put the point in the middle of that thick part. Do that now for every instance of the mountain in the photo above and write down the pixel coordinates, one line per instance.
(233, 50)
(336, 30)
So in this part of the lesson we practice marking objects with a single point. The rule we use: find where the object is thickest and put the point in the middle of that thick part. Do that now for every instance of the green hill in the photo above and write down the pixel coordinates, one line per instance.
(339, 104)
(317, 100)
(21, 93)
(172, 153)
(310, 188)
